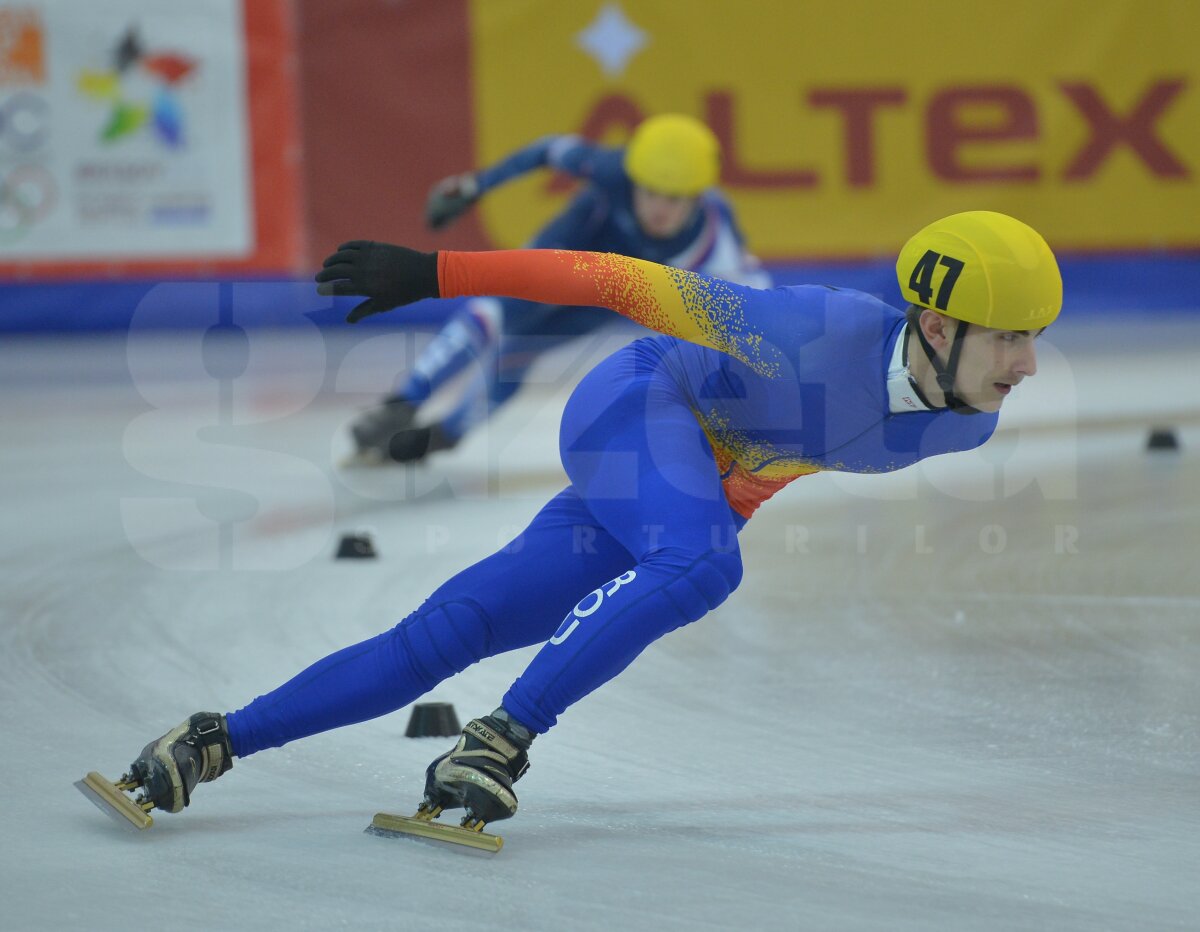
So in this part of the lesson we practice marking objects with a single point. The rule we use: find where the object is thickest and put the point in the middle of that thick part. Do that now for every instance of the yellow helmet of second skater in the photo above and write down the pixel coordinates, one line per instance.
(984, 268)
(673, 154)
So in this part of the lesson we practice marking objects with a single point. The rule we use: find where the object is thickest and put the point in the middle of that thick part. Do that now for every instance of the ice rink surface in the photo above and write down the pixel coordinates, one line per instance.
(964, 696)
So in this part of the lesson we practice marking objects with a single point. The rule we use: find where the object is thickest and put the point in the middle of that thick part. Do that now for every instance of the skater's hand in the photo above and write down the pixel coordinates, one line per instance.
(450, 198)
(388, 276)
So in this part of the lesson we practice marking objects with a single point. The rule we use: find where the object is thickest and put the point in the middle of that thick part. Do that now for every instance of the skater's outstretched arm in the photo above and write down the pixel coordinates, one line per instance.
(750, 324)
(569, 154)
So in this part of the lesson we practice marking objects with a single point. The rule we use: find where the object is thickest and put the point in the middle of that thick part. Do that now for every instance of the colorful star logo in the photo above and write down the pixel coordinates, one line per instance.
(142, 89)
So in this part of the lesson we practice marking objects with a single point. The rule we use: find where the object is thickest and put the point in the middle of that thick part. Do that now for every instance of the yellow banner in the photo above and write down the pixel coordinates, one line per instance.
(848, 125)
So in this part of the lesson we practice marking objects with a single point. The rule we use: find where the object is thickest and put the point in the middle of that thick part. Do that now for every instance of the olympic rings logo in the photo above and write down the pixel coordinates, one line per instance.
(24, 122)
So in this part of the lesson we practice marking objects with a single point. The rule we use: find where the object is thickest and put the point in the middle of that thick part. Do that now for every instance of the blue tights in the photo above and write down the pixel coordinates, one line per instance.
(641, 542)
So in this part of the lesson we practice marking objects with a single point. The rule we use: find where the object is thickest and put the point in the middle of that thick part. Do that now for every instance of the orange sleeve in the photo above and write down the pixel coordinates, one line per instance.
(683, 304)
(549, 276)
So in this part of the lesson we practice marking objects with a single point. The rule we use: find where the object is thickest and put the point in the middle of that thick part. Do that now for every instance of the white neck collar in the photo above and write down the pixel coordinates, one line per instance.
(902, 388)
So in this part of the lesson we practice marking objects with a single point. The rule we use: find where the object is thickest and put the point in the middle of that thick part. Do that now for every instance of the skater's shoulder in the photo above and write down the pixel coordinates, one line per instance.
(839, 307)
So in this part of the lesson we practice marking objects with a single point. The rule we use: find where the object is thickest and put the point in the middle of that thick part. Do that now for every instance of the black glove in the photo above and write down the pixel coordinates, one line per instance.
(449, 198)
(388, 276)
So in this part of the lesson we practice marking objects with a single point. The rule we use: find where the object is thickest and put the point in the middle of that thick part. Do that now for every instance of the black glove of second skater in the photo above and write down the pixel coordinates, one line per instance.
(388, 276)
(449, 198)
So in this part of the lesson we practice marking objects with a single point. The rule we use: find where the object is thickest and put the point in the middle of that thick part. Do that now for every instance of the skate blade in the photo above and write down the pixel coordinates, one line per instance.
(386, 825)
(366, 459)
(374, 461)
(112, 802)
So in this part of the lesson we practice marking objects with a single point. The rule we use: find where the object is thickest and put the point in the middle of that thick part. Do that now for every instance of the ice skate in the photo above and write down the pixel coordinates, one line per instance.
(477, 774)
(374, 430)
(389, 434)
(166, 772)
(416, 443)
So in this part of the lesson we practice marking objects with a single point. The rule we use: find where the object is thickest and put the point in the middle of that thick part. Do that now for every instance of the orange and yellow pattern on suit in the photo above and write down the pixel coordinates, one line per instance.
(693, 307)
(785, 381)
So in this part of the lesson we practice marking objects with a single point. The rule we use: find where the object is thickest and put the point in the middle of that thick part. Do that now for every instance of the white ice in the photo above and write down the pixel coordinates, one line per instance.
(964, 696)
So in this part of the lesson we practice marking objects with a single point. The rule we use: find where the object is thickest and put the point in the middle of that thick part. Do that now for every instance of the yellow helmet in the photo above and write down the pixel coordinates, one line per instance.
(673, 154)
(983, 268)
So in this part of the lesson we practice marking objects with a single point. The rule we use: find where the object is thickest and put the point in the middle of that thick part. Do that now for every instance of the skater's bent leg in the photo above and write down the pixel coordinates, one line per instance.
(468, 336)
(529, 331)
(614, 623)
(511, 599)
(642, 464)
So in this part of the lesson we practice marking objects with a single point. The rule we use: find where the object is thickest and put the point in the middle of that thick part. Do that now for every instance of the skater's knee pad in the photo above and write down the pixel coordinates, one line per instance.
(702, 581)
(728, 566)
(437, 641)
(716, 575)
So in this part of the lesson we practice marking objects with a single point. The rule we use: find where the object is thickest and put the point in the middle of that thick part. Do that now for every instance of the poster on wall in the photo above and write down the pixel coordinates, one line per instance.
(123, 131)
(845, 126)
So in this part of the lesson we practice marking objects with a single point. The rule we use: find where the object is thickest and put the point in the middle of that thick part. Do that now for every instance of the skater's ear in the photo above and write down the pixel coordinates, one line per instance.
(934, 325)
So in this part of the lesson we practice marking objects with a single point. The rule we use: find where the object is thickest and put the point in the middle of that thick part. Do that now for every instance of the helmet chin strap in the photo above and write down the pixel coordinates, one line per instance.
(946, 373)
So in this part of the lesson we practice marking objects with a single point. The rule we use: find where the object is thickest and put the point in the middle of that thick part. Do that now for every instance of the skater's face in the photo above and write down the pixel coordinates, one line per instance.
(991, 363)
(661, 216)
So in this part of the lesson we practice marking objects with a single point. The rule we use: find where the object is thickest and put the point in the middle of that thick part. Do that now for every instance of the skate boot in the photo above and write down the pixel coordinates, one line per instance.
(374, 430)
(479, 773)
(195, 751)
(416, 443)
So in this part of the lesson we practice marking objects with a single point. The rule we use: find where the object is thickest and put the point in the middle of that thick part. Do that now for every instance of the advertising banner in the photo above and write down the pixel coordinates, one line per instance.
(125, 135)
(847, 125)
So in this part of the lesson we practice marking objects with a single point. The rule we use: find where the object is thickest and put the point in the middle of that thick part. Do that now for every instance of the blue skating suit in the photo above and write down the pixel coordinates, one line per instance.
(600, 218)
(507, 335)
(669, 446)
